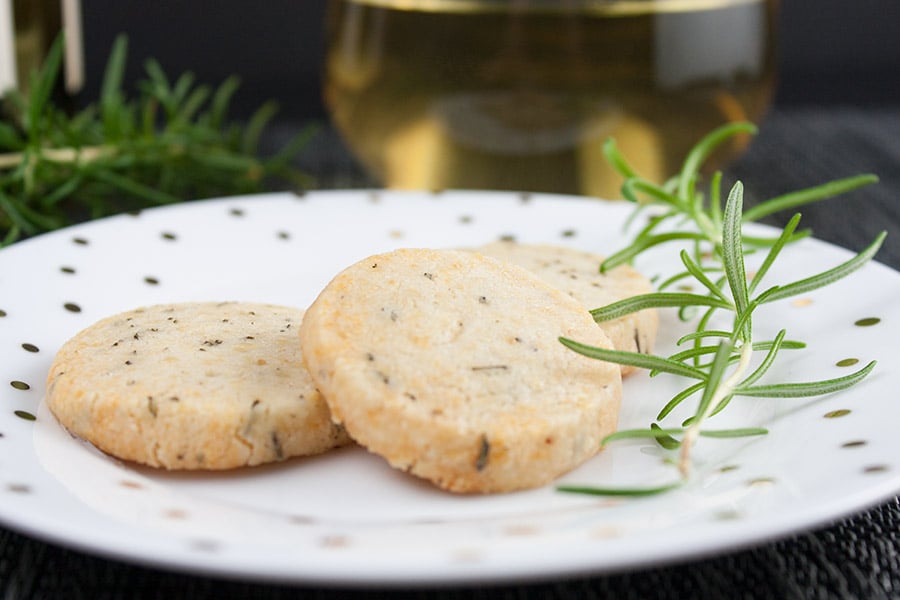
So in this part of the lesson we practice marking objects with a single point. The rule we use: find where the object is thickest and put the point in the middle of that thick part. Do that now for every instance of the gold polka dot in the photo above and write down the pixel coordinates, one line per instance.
(728, 515)
(521, 530)
(867, 322)
(301, 520)
(428, 521)
(801, 302)
(466, 555)
(854, 444)
(605, 532)
(834, 414)
(761, 482)
(176, 513)
(610, 502)
(334, 541)
(871, 469)
(205, 545)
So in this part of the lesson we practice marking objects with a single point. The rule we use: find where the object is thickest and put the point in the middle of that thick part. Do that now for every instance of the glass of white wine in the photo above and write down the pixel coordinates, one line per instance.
(522, 94)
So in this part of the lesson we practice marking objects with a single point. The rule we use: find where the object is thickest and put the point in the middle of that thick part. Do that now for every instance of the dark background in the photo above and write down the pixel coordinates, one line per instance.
(831, 51)
(837, 114)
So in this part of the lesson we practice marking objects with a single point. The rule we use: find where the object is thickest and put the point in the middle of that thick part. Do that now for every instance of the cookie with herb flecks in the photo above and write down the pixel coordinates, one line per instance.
(447, 364)
(577, 273)
(192, 386)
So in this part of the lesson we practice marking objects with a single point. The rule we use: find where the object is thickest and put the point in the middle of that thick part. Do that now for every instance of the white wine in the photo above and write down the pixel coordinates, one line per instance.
(522, 94)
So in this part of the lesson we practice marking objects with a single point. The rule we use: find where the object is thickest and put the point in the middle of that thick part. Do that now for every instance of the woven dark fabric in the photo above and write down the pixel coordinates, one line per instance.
(857, 557)
(806, 146)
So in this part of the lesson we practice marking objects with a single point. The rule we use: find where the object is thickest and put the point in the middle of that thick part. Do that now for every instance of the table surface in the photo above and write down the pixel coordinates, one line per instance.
(857, 557)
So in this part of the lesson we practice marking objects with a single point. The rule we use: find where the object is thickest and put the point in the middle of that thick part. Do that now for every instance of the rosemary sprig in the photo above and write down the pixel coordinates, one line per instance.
(172, 142)
(715, 261)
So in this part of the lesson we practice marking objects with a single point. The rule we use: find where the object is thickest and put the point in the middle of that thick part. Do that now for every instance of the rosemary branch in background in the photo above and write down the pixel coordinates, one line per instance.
(170, 143)
(719, 363)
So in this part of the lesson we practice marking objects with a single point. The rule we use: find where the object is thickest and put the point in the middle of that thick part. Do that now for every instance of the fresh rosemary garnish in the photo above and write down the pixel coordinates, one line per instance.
(170, 143)
(720, 362)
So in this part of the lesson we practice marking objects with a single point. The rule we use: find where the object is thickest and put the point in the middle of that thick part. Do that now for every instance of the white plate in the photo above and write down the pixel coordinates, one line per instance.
(345, 518)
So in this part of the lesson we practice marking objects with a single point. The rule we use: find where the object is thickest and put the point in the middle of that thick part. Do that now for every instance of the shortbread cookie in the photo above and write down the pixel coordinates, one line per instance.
(447, 364)
(192, 386)
(577, 274)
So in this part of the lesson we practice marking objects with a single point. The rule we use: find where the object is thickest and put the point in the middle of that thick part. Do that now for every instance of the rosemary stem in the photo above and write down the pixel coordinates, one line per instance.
(170, 141)
(724, 390)
(58, 155)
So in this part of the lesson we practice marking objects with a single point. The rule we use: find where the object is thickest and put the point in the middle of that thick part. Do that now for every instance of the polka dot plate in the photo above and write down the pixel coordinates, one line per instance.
(347, 518)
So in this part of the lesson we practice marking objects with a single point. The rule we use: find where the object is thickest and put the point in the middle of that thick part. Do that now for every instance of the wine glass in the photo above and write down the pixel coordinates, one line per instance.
(522, 94)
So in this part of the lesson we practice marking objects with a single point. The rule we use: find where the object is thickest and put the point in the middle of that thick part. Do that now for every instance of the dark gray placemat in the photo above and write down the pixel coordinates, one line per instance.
(857, 557)
(802, 147)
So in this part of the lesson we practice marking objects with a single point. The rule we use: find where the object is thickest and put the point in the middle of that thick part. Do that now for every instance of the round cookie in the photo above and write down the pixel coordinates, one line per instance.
(447, 364)
(577, 274)
(192, 386)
